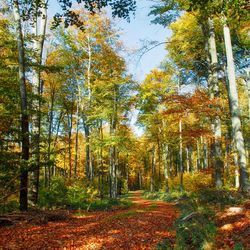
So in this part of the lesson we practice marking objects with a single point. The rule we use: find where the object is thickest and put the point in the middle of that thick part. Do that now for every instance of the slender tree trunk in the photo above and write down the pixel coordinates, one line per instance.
(76, 141)
(70, 123)
(234, 109)
(198, 162)
(88, 165)
(101, 160)
(205, 153)
(166, 168)
(51, 118)
(113, 149)
(24, 111)
(215, 94)
(152, 177)
(187, 159)
(38, 42)
(112, 172)
(180, 156)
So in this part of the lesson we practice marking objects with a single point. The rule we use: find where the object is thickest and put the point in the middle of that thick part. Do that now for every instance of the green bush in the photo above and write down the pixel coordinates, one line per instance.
(222, 197)
(55, 195)
(195, 232)
(9, 207)
(76, 196)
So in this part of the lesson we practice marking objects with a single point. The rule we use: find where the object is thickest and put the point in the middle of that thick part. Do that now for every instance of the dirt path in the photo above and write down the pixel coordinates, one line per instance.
(142, 226)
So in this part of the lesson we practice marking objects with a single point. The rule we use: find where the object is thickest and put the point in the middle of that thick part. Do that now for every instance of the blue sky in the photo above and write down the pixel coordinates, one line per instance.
(133, 33)
(140, 28)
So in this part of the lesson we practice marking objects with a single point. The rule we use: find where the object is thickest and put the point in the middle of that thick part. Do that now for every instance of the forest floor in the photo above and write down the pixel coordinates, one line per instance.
(142, 226)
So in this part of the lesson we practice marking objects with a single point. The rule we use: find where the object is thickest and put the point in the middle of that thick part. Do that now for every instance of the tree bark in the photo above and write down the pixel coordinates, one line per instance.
(113, 149)
(215, 93)
(180, 156)
(152, 177)
(166, 167)
(234, 110)
(76, 141)
(88, 164)
(23, 198)
(38, 42)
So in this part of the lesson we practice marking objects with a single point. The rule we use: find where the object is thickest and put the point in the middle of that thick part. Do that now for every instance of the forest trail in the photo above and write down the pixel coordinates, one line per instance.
(144, 225)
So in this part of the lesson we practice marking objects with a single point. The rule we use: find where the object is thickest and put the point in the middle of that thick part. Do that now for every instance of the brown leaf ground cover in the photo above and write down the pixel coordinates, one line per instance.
(234, 228)
(142, 226)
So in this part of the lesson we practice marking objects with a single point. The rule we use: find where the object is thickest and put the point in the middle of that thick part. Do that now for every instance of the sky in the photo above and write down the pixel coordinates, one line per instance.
(133, 34)
(141, 29)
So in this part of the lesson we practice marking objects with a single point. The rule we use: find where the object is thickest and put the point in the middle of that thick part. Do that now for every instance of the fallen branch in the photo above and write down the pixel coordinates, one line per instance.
(189, 216)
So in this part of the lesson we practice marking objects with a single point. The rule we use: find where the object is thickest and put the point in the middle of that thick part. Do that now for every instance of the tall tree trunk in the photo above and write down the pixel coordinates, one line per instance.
(38, 42)
(166, 168)
(234, 110)
(187, 159)
(70, 124)
(113, 150)
(112, 171)
(100, 162)
(180, 156)
(76, 141)
(23, 198)
(215, 93)
(205, 153)
(51, 118)
(88, 164)
(152, 177)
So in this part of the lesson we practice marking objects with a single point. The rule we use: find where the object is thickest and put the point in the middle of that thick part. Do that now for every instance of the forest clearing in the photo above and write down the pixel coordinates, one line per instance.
(125, 124)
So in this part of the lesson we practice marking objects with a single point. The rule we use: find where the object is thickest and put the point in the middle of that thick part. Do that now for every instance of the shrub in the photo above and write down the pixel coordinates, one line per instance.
(55, 195)
(193, 181)
(8, 207)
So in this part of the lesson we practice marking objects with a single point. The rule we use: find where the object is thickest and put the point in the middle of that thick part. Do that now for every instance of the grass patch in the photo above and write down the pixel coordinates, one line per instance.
(162, 196)
(132, 213)
(125, 215)
(151, 207)
(107, 204)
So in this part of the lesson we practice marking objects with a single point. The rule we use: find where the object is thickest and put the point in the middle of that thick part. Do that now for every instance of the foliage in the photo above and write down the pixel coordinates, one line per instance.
(193, 182)
(55, 195)
(9, 207)
(76, 197)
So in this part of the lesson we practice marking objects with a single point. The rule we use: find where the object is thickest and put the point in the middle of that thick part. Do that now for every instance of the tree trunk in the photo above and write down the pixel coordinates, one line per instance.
(70, 124)
(234, 110)
(24, 111)
(214, 94)
(88, 164)
(166, 168)
(152, 177)
(113, 150)
(38, 42)
(76, 141)
(180, 156)
(51, 118)
(197, 155)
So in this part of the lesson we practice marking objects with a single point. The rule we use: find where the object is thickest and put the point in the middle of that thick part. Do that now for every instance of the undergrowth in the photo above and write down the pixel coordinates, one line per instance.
(77, 197)
(195, 227)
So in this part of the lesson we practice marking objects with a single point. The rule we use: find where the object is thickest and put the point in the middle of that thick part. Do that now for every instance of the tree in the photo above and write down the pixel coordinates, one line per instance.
(24, 110)
(208, 9)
